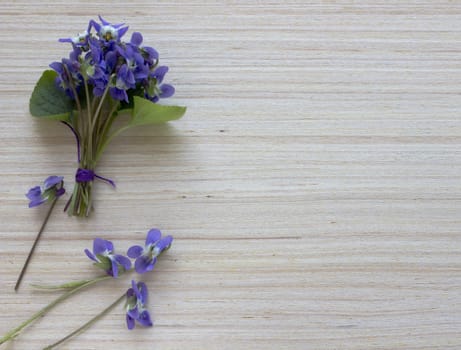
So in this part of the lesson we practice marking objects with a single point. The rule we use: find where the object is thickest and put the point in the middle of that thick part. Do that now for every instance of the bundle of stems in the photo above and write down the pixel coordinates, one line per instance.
(91, 127)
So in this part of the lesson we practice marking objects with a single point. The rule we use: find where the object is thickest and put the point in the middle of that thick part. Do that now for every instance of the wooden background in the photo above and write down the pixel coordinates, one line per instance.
(312, 188)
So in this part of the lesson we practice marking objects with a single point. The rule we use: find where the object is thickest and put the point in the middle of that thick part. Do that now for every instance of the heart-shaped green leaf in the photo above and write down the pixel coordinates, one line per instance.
(146, 112)
(47, 101)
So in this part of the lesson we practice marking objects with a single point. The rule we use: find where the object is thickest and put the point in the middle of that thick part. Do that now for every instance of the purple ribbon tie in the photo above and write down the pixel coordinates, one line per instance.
(87, 175)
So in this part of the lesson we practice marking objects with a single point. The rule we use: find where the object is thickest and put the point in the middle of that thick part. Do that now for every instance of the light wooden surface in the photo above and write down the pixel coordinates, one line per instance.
(312, 188)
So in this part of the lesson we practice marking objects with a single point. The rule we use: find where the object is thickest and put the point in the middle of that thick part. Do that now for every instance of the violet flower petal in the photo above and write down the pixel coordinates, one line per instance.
(152, 54)
(130, 293)
(36, 202)
(153, 236)
(159, 73)
(124, 261)
(167, 90)
(118, 94)
(95, 25)
(57, 66)
(104, 22)
(134, 313)
(121, 31)
(136, 38)
(134, 286)
(164, 243)
(114, 269)
(135, 251)
(52, 181)
(143, 293)
(60, 192)
(142, 264)
(129, 322)
(34, 193)
(90, 255)
(144, 319)
(152, 264)
(101, 245)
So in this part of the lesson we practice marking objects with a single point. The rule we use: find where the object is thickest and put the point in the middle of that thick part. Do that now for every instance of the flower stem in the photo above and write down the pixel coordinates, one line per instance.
(31, 252)
(15, 331)
(64, 286)
(72, 86)
(108, 138)
(90, 121)
(98, 110)
(87, 324)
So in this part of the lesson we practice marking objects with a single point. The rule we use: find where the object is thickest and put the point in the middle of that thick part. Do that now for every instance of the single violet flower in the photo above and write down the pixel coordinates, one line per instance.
(135, 61)
(51, 189)
(125, 80)
(136, 300)
(150, 55)
(69, 75)
(104, 257)
(81, 40)
(147, 257)
(156, 89)
(107, 31)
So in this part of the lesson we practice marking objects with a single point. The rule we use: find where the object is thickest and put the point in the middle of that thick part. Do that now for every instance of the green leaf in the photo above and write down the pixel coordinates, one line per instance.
(47, 101)
(146, 112)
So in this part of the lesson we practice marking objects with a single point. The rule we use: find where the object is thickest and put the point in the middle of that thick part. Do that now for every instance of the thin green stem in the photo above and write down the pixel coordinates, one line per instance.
(15, 331)
(64, 286)
(90, 123)
(105, 126)
(31, 252)
(77, 100)
(107, 140)
(93, 105)
(74, 91)
(71, 205)
(87, 324)
(101, 102)
(89, 199)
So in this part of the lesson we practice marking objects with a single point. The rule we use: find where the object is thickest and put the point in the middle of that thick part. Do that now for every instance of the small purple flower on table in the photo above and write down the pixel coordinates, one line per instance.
(51, 189)
(136, 300)
(104, 257)
(146, 256)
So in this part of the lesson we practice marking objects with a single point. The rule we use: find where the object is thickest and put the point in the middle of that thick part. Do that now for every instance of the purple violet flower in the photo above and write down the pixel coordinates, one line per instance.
(108, 31)
(69, 72)
(104, 257)
(51, 189)
(102, 60)
(157, 89)
(147, 257)
(150, 55)
(136, 300)
(135, 62)
(125, 80)
(81, 40)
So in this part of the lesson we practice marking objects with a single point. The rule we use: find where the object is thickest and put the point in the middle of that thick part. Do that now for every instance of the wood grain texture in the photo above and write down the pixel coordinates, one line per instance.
(312, 188)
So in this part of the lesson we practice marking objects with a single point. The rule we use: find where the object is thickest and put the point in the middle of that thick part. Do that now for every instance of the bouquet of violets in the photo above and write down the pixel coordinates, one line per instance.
(103, 79)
